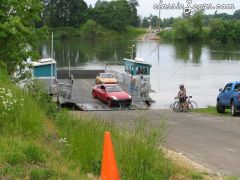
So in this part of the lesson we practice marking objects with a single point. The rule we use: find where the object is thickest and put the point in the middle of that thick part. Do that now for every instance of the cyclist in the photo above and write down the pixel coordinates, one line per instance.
(182, 94)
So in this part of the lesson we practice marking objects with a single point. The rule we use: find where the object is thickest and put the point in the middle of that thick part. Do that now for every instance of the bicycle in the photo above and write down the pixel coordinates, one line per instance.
(187, 106)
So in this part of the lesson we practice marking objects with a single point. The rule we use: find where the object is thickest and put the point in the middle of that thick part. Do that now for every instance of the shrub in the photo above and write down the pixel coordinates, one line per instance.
(167, 35)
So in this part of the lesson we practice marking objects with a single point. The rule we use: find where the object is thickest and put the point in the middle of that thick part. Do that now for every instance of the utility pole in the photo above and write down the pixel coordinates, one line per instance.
(159, 15)
(52, 47)
(52, 62)
(133, 46)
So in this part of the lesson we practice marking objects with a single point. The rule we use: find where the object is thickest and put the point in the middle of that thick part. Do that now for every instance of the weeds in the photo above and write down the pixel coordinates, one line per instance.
(75, 147)
(39, 94)
(34, 154)
(41, 173)
(19, 114)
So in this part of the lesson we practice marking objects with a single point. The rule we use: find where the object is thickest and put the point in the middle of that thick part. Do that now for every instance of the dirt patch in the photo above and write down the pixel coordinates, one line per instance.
(185, 163)
(149, 36)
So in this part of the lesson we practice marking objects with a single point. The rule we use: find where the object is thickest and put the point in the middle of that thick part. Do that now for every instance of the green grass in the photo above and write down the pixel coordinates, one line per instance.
(212, 110)
(35, 144)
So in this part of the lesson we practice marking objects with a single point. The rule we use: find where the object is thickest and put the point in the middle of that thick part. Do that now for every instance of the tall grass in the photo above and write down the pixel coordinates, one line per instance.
(36, 145)
(19, 114)
(137, 151)
(21, 125)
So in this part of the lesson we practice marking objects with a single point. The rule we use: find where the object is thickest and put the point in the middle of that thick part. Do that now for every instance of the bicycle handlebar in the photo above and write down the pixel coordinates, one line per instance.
(186, 97)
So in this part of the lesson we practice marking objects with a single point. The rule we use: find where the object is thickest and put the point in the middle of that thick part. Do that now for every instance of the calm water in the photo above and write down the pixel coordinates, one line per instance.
(202, 68)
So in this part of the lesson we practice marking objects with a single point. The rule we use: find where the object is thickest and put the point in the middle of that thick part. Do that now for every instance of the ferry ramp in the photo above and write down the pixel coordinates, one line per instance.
(82, 99)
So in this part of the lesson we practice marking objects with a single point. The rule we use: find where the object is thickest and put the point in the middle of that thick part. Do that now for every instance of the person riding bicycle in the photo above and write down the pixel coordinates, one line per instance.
(182, 94)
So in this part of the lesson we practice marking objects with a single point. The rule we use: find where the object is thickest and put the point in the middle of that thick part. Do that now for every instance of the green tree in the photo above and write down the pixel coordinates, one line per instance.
(189, 29)
(145, 22)
(181, 27)
(225, 30)
(236, 14)
(89, 29)
(65, 12)
(134, 19)
(115, 15)
(17, 31)
(119, 13)
(218, 30)
(101, 3)
(167, 22)
(196, 29)
(100, 13)
(154, 21)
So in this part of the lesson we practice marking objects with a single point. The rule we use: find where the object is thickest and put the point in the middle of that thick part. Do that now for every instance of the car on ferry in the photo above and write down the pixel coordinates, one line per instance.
(112, 94)
(106, 78)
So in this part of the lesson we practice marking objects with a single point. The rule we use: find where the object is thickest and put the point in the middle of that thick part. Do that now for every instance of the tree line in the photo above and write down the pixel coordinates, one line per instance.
(200, 27)
(153, 20)
(116, 15)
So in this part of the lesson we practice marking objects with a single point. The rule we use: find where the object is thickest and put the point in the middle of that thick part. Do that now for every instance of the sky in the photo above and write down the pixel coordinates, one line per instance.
(146, 7)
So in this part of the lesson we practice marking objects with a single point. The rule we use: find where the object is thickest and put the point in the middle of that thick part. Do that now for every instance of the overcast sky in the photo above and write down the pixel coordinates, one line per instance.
(146, 7)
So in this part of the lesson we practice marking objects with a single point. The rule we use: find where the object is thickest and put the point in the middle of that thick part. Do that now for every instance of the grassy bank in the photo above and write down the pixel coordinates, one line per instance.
(212, 110)
(92, 31)
(173, 35)
(38, 142)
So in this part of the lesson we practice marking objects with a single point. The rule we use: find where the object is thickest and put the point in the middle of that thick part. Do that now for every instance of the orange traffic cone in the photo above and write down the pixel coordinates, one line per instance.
(109, 165)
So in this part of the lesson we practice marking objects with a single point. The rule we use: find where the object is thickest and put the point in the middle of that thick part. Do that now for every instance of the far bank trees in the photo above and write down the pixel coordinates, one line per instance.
(115, 15)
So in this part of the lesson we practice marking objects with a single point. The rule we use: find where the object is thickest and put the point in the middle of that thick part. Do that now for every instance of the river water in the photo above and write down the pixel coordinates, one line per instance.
(202, 68)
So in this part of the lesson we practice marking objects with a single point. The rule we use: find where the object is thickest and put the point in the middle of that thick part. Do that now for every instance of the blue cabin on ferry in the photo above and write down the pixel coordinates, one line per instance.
(44, 68)
(137, 67)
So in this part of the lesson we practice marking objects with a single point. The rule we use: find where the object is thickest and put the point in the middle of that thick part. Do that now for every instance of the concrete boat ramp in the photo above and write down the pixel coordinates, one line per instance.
(78, 93)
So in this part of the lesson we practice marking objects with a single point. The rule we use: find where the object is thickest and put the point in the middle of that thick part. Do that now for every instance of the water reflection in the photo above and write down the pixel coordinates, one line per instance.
(80, 52)
(188, 53)
(222, 52)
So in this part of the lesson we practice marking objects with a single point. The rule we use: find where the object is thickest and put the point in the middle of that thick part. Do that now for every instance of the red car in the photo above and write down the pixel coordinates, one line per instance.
(112, 94)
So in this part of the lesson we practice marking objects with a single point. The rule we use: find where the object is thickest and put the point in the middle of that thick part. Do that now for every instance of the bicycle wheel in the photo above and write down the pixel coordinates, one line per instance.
(192, 105)
(177, 106)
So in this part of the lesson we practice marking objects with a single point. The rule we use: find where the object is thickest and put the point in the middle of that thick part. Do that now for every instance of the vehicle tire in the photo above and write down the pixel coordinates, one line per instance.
(233, 109)
(220, 108)
(109, 102)
(94, 94)
(192, 105)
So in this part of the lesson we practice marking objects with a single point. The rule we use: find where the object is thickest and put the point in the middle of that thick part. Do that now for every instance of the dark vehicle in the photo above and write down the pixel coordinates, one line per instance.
(229, 98)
